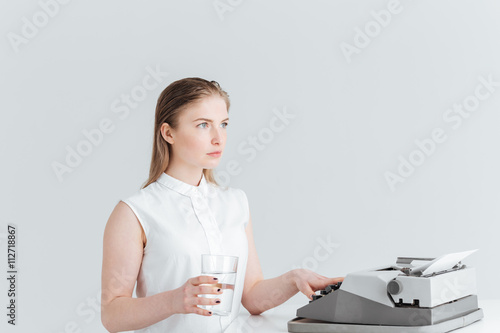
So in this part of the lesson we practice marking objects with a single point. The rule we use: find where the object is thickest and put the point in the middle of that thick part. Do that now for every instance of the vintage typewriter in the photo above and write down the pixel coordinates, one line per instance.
(415, 295)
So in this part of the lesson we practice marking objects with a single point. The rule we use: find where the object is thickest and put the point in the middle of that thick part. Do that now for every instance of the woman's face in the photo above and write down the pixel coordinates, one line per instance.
(195, 138)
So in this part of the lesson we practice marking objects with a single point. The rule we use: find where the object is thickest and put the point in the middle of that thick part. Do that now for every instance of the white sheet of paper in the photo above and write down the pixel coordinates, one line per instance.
(443, 262)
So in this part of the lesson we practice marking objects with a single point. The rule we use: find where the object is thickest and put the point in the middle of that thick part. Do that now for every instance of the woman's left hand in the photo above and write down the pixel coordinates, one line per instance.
(308, 281)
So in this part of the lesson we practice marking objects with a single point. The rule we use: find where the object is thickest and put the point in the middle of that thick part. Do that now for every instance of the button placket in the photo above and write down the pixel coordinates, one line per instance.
(206, 220)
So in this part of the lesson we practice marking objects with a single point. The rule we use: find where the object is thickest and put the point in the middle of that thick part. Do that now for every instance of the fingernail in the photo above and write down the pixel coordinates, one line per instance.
(217, 301)
(215, 279)
(209, 312)
(218, 289)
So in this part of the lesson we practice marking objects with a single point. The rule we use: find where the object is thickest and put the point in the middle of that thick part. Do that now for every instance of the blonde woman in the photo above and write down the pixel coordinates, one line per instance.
(155, 237)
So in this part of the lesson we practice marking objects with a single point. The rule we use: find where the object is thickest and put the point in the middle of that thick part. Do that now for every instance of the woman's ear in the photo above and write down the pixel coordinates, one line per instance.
(166, 133)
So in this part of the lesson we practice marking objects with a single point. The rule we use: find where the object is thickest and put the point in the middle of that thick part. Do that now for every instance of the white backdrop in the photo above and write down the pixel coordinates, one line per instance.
(360, 131)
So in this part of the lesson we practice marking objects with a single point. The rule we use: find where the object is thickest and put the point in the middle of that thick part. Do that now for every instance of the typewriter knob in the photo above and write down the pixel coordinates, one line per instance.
(394, 287)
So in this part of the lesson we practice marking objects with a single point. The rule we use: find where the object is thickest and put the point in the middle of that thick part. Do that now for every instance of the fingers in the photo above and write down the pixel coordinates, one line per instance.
(191, 304)
(308, 287)
(201, 311)
(204, 301)
(306, 290)
(322, 277)
(207, 290)
(337, 279)
(204, 285)
(207, 301)
(201, 285)
(203, 279)
(309, 294)
(319, 276)
(333, 280)
(323, 283)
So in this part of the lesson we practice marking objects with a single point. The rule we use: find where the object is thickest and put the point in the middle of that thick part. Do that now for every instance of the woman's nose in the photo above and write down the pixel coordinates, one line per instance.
(216, 136)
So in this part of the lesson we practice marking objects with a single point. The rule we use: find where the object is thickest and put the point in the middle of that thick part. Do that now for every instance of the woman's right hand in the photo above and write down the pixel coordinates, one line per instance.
(186, 298)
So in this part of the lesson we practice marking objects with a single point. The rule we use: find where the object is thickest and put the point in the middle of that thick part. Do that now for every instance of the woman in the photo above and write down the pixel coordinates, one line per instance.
(156, 236)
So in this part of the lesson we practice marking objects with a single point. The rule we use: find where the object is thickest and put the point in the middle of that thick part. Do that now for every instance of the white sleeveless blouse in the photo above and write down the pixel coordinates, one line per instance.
(182, 222)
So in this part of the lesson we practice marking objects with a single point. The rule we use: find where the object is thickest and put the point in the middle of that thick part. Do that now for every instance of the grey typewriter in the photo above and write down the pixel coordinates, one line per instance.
(422, 295)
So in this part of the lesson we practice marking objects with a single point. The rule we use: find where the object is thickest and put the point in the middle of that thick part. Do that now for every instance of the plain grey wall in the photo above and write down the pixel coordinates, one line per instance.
(355, 89)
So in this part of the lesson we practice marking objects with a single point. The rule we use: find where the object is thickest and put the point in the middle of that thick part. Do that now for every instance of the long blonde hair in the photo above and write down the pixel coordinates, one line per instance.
(172, 101)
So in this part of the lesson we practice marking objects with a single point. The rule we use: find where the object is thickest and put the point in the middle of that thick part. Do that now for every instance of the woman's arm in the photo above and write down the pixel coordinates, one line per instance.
(260, 295)
(122, 257)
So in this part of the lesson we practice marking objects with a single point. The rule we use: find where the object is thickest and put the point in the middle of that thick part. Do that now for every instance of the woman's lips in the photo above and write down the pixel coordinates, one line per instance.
(215, 154)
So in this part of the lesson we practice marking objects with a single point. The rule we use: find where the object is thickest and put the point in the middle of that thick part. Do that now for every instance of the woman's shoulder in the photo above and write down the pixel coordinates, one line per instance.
(228, 191)
(146, 194)
(239, 200)
(234, 196)
(140, 202)
(241, 193)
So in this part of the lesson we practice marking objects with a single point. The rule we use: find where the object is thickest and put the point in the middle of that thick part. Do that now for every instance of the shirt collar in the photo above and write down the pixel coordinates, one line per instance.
(182, 187)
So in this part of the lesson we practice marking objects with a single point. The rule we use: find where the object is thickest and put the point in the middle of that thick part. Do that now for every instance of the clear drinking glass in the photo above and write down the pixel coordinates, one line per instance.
(224, 268)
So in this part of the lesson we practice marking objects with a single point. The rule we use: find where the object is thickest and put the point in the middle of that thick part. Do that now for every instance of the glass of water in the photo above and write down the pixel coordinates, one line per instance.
(224, 268)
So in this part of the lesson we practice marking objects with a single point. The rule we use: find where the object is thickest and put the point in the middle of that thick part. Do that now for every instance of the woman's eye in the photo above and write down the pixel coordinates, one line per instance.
(225, 125)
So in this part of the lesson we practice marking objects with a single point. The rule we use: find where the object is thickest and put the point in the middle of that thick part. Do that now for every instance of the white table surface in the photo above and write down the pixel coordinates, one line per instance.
(275, 320)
